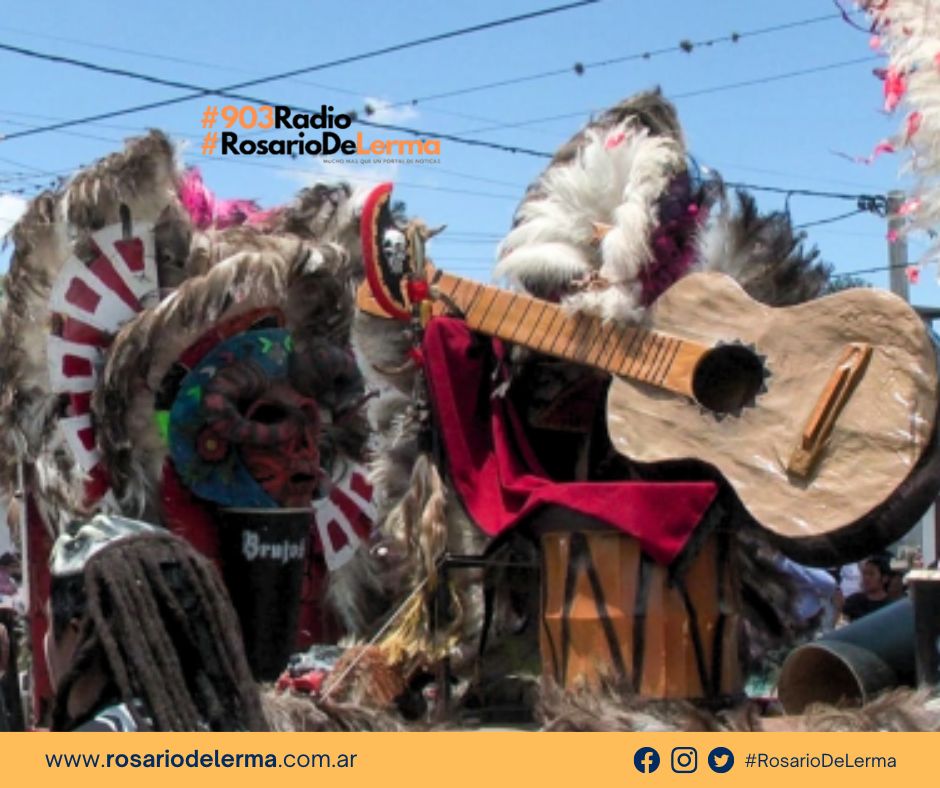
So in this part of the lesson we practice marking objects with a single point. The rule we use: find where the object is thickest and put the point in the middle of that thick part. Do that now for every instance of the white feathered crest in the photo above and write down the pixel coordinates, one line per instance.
(909, 32)
(614, 181)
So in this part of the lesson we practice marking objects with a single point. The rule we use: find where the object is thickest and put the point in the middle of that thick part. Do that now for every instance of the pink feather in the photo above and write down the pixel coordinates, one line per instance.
(206, 210)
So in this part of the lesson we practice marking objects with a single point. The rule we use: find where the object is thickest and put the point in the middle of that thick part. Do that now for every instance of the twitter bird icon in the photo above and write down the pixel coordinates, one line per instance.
(720, 760)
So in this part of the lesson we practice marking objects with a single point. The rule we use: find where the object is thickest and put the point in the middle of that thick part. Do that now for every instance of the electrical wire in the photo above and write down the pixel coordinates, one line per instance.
(875, 270)
(830, 220)
(804, 192)
(60, 126)
(580, 68)
(226, 90)
(675, 96)
(685, 46)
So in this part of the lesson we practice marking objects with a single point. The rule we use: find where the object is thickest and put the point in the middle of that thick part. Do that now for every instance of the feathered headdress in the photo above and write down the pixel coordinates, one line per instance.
(909, 31)
(618, 216)
(75, 276)
(590, 217)
(116, 275)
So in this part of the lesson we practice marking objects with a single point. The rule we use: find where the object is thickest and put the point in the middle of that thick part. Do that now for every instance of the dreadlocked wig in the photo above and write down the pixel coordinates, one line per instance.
(156, 617)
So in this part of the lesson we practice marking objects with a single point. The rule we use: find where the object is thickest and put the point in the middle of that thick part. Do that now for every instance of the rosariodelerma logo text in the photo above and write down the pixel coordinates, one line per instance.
(321, 133)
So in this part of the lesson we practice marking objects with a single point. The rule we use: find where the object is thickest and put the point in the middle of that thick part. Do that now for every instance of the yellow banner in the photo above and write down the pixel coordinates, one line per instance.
(472, 759)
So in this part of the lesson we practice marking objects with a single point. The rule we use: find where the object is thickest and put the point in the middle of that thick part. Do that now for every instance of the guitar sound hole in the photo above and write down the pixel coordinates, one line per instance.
(727, 379)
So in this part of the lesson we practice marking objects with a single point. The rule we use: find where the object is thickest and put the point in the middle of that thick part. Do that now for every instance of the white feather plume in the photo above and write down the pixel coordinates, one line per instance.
(615, 179)
(909, 31)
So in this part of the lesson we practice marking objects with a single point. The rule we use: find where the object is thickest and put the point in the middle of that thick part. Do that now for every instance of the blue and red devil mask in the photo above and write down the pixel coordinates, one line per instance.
(240, 434)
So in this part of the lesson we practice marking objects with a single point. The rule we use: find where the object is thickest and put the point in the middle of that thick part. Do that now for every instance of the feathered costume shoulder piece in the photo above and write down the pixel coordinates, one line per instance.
(113, 277)
(619, 215)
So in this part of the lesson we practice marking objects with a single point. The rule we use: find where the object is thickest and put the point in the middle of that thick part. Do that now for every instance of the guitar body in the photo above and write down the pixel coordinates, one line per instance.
(881, 444)
(821, 417)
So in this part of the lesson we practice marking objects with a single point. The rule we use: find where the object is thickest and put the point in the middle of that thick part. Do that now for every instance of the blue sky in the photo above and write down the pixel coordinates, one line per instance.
(785, 133)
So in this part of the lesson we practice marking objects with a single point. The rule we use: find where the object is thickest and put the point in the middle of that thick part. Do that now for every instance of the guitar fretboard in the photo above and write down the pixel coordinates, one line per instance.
(629, 351)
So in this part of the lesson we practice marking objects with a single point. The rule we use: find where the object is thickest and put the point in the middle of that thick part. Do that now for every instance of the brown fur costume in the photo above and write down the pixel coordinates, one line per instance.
(283, 260)
(611, 710)
(142, 178)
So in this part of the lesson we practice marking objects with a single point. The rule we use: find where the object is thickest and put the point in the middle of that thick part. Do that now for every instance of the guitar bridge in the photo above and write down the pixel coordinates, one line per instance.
(832, 400)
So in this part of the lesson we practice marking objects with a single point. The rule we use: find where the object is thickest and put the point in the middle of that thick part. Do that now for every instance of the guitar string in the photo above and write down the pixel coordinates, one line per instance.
(520, 322)
(648, 356)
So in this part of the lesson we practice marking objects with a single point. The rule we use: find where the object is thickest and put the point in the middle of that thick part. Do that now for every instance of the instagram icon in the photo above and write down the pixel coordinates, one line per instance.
(684, 760)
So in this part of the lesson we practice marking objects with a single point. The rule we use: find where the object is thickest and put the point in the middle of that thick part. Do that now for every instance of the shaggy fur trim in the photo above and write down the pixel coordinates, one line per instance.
(762, 253)
(897, 710)
(609, 709)
(616, 179)
(649, 109)
(327, 213)
(142, 178)
(417, 519)
(146, 348)
(288, 712)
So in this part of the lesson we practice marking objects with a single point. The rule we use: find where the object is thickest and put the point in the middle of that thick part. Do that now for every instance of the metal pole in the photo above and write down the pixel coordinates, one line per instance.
(897, 247)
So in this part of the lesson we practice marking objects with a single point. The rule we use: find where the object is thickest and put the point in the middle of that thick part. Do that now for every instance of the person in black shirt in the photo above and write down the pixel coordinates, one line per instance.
(142, 635)
(875, 575)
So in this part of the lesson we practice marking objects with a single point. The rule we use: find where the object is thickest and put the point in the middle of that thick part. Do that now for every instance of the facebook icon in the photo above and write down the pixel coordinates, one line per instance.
(646, 760)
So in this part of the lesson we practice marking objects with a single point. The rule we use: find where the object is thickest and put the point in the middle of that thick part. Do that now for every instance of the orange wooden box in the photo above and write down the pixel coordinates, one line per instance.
(610, 612)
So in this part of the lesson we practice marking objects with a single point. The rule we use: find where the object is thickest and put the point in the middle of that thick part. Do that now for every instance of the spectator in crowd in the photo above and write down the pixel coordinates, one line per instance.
(875, 576)
(895, 588)
(143, 635)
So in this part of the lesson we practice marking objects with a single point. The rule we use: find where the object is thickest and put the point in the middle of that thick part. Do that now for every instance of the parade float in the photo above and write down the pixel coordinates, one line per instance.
(560, 501)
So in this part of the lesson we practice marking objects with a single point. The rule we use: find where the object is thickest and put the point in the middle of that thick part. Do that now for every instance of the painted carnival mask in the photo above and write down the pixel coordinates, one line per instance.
(241, 434)
(274, 427)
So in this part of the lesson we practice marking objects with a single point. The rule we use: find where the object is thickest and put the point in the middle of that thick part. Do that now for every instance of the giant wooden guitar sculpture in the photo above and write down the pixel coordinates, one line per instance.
(816, 414)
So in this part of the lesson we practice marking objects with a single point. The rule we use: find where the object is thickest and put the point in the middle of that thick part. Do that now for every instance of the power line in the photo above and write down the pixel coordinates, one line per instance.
(580, 68)
(137, 129)
(830, 220)
(444, 239)
(776, 78)
(473, 234)
(788, 174)
(804, 192)
(675, 96)
(459, 138)
(437, 169)
(77, 134)
(876, 199)
(875, 270)
(225, 91)
(35, 170)
(125, 51)
(685, 45)
(200, 91)
(363, 179)
(203, 64)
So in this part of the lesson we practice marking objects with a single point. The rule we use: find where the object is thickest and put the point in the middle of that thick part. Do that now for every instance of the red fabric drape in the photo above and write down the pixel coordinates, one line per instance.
(498, 478)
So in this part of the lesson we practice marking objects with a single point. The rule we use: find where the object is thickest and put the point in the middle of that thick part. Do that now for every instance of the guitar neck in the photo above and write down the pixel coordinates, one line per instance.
(628, 351)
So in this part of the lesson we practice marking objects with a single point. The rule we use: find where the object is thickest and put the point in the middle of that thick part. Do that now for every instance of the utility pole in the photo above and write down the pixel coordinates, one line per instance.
(897, 247)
